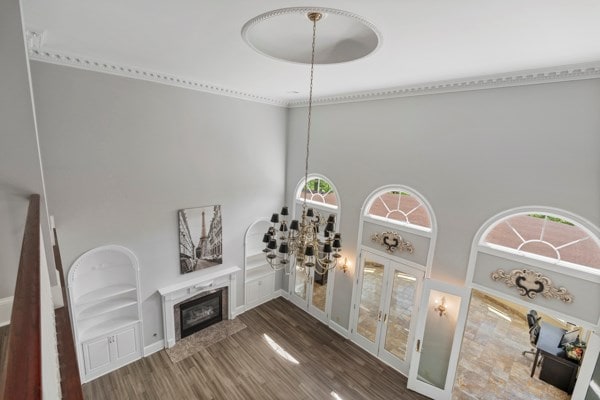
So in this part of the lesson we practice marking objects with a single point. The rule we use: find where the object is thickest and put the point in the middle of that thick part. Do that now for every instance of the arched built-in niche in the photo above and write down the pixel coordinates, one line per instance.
(259, 277)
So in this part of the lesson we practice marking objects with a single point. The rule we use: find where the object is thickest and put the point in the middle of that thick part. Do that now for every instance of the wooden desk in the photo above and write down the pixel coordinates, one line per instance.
(557, 369)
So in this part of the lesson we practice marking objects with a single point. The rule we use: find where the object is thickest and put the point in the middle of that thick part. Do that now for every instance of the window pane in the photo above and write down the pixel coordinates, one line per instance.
(546, 235)
(398, 206)
(319, 191)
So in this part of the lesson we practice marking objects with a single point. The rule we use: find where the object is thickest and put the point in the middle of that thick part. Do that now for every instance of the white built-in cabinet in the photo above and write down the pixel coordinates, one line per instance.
(259, 277)
(105, 308)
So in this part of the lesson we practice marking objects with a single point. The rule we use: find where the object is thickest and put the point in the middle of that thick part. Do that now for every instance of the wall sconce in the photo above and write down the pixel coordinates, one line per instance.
(344, 267)
(441, 306)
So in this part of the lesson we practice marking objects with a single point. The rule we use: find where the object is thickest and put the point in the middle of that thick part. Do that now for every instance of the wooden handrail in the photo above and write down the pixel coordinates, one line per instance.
(23, 377)
(70, 382)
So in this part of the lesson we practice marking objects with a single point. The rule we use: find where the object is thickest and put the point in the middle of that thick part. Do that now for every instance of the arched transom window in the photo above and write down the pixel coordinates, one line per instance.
(318, 192)
(399, 207)
(549, 236)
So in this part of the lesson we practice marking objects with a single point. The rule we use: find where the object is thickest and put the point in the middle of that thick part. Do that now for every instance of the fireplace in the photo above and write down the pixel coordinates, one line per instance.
(201, 313)
(207, 282)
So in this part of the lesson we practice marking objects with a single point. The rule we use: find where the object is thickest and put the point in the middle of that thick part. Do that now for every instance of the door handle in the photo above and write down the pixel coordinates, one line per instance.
(418, 345)
(379, 316)
(384, 318)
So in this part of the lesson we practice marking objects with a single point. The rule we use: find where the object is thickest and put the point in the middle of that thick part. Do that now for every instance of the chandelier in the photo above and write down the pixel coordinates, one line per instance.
(300, 242)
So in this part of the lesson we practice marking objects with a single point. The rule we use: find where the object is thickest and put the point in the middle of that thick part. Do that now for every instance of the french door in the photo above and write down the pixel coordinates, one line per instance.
(385, 307)
(312, 292)
(438, 337)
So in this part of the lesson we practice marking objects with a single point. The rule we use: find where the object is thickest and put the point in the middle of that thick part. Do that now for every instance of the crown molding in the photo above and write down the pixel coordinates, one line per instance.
(54, 57)
(519, 78)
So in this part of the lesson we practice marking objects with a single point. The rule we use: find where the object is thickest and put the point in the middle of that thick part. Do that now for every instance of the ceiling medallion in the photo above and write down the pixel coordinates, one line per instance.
(282, 34)
(529, 283)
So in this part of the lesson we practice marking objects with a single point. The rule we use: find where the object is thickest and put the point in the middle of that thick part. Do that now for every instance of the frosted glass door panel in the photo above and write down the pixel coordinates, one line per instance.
(319, 290)
(300, 283)
(370, 300)
(438, 336)
(400, 313)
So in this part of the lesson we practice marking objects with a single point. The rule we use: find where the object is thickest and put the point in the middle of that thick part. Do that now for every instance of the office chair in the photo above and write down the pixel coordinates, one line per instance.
(533, 321)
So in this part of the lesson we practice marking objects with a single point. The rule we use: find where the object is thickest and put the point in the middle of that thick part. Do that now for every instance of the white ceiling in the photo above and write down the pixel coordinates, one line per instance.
(421, 41)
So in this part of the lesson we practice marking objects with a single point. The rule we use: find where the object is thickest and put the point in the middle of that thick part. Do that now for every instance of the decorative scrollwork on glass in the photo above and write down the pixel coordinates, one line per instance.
(392, 241)
(529, 283)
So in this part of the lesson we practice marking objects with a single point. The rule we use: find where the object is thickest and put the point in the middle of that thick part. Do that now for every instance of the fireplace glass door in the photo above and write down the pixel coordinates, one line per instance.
(201, 313)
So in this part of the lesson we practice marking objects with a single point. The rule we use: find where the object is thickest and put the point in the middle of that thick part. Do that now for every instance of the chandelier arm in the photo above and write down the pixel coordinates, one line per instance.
(325, 269)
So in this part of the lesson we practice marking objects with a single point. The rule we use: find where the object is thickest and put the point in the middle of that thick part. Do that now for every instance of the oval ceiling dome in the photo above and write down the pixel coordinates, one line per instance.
(286, 34)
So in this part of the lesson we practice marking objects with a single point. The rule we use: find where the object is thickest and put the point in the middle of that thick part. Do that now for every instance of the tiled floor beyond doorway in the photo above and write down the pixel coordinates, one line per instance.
(491, 363)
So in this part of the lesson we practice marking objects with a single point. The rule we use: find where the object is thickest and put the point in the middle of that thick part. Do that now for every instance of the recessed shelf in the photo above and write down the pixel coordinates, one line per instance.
(259, 272)
(105, 301)
(259, 277)
(105, 307)
(104, 294)
(256, 262)
(105, 327)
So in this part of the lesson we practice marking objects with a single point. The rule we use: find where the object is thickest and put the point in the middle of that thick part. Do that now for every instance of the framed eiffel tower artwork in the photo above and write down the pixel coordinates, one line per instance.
(200, 238)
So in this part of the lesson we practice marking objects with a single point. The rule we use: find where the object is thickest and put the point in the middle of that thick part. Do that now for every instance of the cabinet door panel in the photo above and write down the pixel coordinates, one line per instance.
(97, 354)
(125, 343)
(252, 292)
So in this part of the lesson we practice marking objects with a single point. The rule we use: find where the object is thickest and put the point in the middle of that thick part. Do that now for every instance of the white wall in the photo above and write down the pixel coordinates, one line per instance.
(20, 172)
(121, 156)
(471, 154)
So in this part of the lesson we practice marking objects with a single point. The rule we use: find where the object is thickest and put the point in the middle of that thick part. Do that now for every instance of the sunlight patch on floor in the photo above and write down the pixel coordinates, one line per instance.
(499, 313)
(279, 350)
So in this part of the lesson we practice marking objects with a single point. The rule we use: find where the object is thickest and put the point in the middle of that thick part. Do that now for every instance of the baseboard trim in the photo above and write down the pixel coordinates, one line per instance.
(339, 329)
(5, 310)
(154, 348)
(282, 293)
(238, 311)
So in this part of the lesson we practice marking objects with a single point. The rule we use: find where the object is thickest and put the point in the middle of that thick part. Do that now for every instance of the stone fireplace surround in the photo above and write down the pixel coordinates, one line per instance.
(202, 283)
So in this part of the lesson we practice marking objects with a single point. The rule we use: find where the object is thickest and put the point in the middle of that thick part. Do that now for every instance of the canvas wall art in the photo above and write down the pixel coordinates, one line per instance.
(200, 238)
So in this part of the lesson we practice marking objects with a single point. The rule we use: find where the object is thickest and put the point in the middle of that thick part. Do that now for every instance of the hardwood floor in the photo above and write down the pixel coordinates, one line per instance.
(245, 366)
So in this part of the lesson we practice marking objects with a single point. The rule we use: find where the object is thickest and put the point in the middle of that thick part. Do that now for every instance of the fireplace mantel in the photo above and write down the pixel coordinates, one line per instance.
(204, 280)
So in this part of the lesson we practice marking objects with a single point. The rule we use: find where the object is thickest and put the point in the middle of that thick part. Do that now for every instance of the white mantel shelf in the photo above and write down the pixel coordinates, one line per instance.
(204, 280)
(201, 277)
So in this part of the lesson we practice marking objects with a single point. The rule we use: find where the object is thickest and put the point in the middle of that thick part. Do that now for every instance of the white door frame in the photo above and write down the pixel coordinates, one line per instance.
(360, 340)
(460, 316)
(377, 348)
(388, 357)
(587, 367)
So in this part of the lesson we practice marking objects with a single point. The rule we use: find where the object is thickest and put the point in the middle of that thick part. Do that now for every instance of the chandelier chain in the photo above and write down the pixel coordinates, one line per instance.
(310, 93)
(302, 246)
